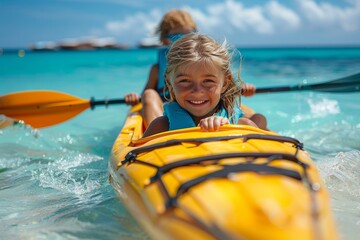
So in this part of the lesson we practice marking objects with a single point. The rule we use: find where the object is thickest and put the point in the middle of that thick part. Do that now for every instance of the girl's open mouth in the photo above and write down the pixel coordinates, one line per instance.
(197, 102)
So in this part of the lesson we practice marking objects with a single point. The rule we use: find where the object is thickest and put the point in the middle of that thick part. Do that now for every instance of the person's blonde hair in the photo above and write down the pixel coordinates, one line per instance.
(198, 48)
(173, 19)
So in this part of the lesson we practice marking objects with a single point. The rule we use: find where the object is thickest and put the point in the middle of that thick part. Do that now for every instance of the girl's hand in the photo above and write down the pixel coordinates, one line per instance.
(248, 90)
(132, 99)
(212, 123)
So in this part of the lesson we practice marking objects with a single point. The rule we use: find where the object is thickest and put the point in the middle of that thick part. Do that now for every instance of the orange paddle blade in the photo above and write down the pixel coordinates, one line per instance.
(42, 108)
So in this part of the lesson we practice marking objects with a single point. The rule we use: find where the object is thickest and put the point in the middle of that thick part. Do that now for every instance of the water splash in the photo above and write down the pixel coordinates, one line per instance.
(324, 107)
(69, 174)
(318, 109)
(8, 125)
(52, 180)
(341, 173)
(342, 177)
(47, 162)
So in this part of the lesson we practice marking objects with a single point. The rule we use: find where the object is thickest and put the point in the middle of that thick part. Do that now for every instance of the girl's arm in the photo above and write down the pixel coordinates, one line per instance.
(153, 77)
(134, 98)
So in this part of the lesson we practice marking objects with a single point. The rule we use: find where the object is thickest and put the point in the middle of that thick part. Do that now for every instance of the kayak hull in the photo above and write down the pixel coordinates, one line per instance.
(236, 183)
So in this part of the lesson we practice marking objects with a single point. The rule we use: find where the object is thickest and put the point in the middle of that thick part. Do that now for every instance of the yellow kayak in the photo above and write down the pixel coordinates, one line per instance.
(237, 183)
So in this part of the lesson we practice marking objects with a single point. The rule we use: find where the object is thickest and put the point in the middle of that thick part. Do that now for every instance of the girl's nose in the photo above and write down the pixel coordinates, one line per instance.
(197, 87)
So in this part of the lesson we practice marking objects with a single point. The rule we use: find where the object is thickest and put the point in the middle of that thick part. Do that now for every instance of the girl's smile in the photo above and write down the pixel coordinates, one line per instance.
(197, 102)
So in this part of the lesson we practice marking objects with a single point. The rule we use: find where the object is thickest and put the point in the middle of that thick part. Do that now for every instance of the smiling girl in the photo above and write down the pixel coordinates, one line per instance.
(203, 92)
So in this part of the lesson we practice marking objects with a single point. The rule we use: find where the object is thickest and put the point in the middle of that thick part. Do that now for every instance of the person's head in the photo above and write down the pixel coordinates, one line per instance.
(198, 75)
(175, 21)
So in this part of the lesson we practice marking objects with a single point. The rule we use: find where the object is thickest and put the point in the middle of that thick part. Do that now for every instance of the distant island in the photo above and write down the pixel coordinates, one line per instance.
(88, 43)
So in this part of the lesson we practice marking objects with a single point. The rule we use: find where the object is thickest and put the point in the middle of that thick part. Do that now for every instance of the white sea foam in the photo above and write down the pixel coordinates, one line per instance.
(319, 108)
(323, 107)
(67, 174)
(342, 178)
(341, 173)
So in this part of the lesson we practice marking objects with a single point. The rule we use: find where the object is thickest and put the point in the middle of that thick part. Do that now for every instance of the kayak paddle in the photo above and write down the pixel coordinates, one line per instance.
(341, 85)
(43, 108)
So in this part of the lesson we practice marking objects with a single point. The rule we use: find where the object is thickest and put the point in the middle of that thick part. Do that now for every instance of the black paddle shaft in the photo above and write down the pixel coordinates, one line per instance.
(346, 84)
(105, 102)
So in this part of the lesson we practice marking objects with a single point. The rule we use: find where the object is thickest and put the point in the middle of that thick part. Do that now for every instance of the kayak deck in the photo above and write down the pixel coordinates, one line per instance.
(239, 182)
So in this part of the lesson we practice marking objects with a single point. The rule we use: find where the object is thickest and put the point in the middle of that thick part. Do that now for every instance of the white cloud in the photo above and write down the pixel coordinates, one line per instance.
(230, 18)
(248, 18)
(139, 23)
(202, 19)
(325, 15)
(282, 16)
(232, 15)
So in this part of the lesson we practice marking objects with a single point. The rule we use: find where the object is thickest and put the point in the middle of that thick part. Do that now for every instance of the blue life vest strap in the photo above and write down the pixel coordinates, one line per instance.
(179, 118)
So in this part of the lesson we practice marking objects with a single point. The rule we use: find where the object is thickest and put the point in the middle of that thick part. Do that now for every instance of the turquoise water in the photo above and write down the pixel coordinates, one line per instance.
(54, 181)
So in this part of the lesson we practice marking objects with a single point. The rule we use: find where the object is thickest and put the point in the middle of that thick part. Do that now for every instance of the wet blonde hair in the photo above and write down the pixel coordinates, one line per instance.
(173, 19)
(199, 48)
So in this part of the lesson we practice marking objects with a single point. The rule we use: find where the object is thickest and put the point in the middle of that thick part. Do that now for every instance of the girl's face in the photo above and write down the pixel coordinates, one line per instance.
(197, 88)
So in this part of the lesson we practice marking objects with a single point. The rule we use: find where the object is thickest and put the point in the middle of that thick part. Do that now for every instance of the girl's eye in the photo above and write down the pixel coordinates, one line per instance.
(182, 79)
(209, 82)
(183, 82)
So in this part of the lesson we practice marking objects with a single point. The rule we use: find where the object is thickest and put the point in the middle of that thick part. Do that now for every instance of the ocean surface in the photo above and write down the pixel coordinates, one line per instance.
(54, 181)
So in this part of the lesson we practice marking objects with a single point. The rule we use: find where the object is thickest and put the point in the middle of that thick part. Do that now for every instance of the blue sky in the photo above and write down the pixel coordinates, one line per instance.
(243, 23)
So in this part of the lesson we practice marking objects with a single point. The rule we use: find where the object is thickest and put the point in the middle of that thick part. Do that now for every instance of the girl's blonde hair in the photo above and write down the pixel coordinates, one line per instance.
(199, 48)
(173, 19)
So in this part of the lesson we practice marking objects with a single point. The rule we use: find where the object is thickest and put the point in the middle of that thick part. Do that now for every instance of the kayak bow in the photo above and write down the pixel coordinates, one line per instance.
(237, 183)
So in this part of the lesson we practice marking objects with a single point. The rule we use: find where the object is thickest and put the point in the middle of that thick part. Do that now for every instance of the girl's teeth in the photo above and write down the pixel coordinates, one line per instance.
(197, 102)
